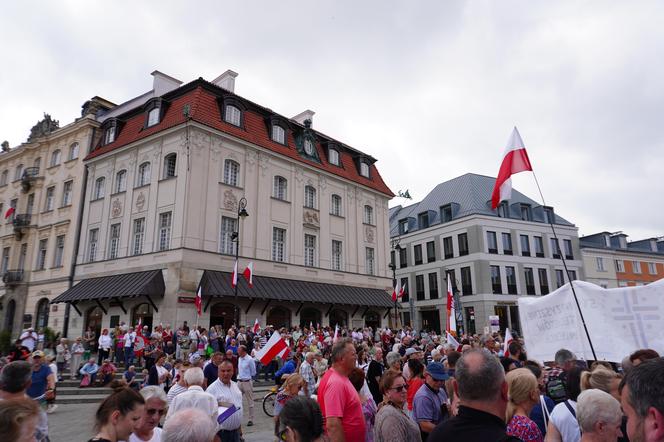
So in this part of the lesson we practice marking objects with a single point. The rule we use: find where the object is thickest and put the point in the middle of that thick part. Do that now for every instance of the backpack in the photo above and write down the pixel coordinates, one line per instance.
(556, 388)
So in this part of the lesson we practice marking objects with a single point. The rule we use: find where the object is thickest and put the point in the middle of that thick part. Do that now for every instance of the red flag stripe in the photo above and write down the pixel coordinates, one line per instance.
(273, 352)
(515, 161)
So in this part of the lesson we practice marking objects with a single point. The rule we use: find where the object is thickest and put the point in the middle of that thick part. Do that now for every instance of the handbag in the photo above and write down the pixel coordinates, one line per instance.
(85, 381)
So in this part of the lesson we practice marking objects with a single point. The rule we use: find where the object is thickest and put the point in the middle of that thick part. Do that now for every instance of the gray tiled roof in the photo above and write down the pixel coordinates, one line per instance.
(597, 241)
(472, 193)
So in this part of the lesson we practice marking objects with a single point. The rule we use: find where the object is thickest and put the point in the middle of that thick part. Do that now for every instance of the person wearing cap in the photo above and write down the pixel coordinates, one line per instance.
(43, 379)
(430, 401)
(411, 353)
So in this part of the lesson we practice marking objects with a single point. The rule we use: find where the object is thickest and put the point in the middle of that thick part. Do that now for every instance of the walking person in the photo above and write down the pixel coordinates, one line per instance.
(307, 373)
(245, 377)
(62, 355)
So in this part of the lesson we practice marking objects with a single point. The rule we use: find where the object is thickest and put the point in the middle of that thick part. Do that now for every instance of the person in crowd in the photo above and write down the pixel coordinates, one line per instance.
(228, 395)
(563, 425)
(18, 419)
(599, 416)
(105, 343)
(129, 377)
(128, 350)
(603, 379)
(523, 393)
(540, 412)
(77, 351)
(62, 355)
(369, 407)
(338, 400)
(307, 373)
(411, 353)
(289, 367)
(246, 370)
(42, 386)
(393, 361)
(482, 389)
(107, 372)
(374, 372)
(290, 389)
(642, 355)
(194, 396)
(118, 415)
(189, 425)
(301, 421)
(18, 352)
(181, 385)
(159, 374)
(488, 342)
(15, 378)
(89, 338)
(642, 399)
(29, 338)
(450, 362)
(155, 407)
(391, 422)
(320, 365)
(555, 383)
(232, 358)
(89, 373)
(211, 370)
(51, 406)
(430, 401)
(416, 369)
(150, 350)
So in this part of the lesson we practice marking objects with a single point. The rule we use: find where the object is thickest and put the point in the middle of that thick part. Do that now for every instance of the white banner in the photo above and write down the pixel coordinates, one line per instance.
(619, 321)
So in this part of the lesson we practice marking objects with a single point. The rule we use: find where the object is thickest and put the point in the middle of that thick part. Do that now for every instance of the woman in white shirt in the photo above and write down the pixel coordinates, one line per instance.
(105, 344)
(563, 426)
(158, 373)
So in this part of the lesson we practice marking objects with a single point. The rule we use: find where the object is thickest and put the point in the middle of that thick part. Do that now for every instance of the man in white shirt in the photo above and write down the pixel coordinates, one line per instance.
(129, 339)
(229, 396)
(29, 338)
(307, 373)
(194, 397)
(246, 368)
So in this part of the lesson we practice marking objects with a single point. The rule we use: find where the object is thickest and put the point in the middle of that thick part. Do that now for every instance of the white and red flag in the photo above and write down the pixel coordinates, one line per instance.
(234, 278)
(515, 160)
(272, 348)
(452, 340)
(257, 326)
(286, 351)
(451, 312)
(9, 212)
(199, 300)
(249, 274)
(506, 345)
(397, 292)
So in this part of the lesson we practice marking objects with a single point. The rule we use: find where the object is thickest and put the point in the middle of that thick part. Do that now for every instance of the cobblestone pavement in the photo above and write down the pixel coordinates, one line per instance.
(73, 423)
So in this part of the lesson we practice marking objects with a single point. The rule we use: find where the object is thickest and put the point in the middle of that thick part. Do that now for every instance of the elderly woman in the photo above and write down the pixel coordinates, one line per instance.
(393, 361)
(105, 344)
(599, 416)
(391, 423)
(523, 393)
(155, 408)
(158, 374)
(76, 355)
(62, 355)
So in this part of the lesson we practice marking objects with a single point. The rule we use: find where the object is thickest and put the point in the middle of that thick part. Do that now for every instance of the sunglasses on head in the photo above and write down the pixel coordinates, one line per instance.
(400, 388)
(152, 411)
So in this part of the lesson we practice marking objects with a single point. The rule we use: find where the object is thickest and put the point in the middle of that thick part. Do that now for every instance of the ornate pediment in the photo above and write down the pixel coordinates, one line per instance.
(311, 218)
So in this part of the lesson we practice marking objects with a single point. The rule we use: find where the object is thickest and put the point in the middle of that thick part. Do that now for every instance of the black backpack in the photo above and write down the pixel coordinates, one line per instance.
(556, 388)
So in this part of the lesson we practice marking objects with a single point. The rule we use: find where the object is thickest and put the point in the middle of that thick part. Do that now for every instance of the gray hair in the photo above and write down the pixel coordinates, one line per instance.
(563, 356)
(189, 425)
(485, 338)
(339, 349)
(15, 376)
(392, 357)
(594, 406)
(309, 354)
(646, 386)
(194, 376)
(154, 392)
(479, 375)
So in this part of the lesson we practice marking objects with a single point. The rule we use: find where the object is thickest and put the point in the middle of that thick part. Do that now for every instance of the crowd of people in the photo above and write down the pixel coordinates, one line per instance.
(336, 384)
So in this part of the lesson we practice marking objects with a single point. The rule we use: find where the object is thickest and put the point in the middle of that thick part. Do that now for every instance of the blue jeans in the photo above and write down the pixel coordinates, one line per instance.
(128, 356)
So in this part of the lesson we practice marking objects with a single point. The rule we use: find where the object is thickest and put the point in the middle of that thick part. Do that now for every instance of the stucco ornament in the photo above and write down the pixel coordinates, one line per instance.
(310, 217)
(230, 200)
(116, 208)
(369, 234)
(140, 201)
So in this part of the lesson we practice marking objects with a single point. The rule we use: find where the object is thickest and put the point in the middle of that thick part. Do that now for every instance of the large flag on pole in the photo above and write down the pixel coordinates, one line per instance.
(257, 326)
(199, 300)
(451, 312)
(451, 340)
(515, 160)
(249, 274)
(397, 292)
(273, 347)
(234, 279)
(506, 345)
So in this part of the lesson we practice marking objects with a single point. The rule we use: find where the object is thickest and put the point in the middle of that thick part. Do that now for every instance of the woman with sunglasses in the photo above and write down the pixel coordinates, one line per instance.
(156, 404)
(301, 421)
(392, 423)
(119, 414)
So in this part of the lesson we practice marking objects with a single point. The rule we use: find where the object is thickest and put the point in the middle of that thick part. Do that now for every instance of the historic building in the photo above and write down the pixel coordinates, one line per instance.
(41, 182)
(491, 256)
(611, 261)
(182, 175)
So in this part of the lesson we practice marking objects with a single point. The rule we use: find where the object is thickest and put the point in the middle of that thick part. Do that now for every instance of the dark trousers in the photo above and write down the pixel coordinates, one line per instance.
(229, 435)
(103, 354)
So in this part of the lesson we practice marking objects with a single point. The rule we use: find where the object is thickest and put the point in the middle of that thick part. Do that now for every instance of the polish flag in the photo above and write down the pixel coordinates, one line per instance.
(285, 352)
(451, 312)
(452, 340)
(234, 279)
(515, 160)
(249, 274)
(9, 212)
(506, 345)
(274, 346)
(257, 326)
(397, 292)
(199, 300)
(402, 290)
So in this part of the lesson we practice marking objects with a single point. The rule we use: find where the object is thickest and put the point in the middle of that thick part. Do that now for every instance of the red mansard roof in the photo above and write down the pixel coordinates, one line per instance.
(204, 109)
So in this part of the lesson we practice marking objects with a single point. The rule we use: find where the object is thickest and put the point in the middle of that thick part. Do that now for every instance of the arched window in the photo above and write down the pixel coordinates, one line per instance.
(309, 317)
(37, 164)
(278, 134)
(338, 317)
(3, 177)
(73, 152)
(232, 115)
(121, 181)
(280, 188)
(335, 208)
(55, 158)
(42, 313)
(310, 197)
(143, 174)
(279, 317)
(18, 173)
(100, 185)
(110, 132)
(368, 215)
(231, 172)
(170, 163)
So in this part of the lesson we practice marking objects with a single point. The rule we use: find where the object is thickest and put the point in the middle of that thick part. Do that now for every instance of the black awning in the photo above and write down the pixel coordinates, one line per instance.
(218, 284)
(126, 285)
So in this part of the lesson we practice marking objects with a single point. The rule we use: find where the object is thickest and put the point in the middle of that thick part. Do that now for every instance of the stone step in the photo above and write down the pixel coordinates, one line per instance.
(75, 391)
(90, 396)
(75, 383)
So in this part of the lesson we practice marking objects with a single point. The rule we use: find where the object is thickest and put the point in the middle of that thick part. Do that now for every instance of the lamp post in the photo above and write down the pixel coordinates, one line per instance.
(235, 236)
(394, 245)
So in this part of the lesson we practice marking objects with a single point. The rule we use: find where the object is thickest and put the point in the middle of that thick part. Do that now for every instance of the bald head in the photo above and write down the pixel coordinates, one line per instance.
(479, 376)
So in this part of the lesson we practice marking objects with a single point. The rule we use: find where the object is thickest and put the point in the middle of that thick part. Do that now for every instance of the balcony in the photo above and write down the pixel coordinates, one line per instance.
(30, 175)
(12, 277)
(21, 222)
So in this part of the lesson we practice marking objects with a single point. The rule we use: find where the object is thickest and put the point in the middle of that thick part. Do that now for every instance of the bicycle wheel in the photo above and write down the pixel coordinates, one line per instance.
(268, 403)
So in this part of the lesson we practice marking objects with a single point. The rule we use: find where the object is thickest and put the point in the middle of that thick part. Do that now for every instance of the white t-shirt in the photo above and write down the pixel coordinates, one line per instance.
(565, 422)
(156, 436)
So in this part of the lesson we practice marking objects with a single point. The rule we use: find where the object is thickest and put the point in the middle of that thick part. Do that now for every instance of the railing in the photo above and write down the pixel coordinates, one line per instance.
(30, 174)
(12, 277)
(21, 221)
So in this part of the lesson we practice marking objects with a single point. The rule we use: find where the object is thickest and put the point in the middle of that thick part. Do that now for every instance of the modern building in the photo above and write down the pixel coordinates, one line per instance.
(183, 175)
(492, 256)
(611, 261)
(41, 181)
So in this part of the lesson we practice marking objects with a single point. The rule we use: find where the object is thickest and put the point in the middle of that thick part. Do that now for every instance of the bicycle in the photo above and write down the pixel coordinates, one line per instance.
(269, 400)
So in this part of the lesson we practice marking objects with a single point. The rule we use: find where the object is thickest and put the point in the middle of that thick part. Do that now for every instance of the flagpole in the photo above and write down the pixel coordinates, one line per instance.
(562, 257)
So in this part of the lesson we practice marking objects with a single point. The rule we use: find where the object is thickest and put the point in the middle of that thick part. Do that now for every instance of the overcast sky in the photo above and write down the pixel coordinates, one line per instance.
(430, 89)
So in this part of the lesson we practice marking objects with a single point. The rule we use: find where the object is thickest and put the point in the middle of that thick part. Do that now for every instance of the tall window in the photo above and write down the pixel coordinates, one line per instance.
(403, 257)
(309, 197)
(309, 250)
(143, 174)
(492, 242)
(334, 156)
(368, 215)
(364, 169)
(165, 231)
(335, 208)
(526, 213)
(337, 255)
(226, 243)
(92, 245)
(448, 247)
(67, 193)
(555, 248)
(652, 268)
(370, 261)
(114, 241)
(278, 244)
(572, 275)
(280, 188)
(433, 286)
(232, 115)
(525, 245)
(507, 243)
(278, 134)
(510, 277)
(560, 278)
(463, 244)
(109, 134)
(431, 251)
(13, 204)
(100, 185)
(620, 266)
(600, 264)
(544, 281)
(37, 164)
(55, 158)
(417, 252)
(153, 116)
(121, 181)
(41, 254)
(231, 172)
(170, 165)
(530, 280)
(31, 203)
(3, 177)
(636, 267)
(419, 287)
(567, 244)
(539, 246)
(50, 198)
(73, 152)
(59, 251)
(548, 215)
(139, 236)
(466, 281)
(496, 284)
(5, 259)
(403, 226)
(22, 256)
(18, 173)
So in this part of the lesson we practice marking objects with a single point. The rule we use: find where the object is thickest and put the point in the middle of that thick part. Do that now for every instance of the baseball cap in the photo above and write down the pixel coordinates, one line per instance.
(437, 371)
(412, 350)
(38, 354)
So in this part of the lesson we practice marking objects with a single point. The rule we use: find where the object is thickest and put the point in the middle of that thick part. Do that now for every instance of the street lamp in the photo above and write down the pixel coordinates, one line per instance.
(394, 245)
(235, 236)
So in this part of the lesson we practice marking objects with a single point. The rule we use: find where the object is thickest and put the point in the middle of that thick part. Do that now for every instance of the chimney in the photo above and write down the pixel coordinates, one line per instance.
(162, 83)
(303, 116)
(226, 80)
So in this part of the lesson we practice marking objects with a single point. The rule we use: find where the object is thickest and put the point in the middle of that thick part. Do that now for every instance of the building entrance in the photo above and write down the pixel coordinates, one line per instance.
(222, 314)
(431, 320)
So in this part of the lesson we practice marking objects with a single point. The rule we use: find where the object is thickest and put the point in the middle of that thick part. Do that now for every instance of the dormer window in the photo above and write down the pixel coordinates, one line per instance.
(403, 226)
(333, 156)
(110, 132)
(526, 214)
(153, 117)
(548, 215)
(232, 115)
(154, 111)
(503, 210)
(278, 134)
(364, 169)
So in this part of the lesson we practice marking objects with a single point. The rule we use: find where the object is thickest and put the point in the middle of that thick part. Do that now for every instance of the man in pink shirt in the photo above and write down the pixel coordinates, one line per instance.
(338, 399)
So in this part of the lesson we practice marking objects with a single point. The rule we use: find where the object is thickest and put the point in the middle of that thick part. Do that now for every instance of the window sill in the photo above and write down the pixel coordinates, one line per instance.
(65, 207)
(231, 185)
(4, 185)
(140, 187)
(38, 270)
(118, 193)
(97, 199)
(279, 199)
(71, 160)
(336, 215)
(46, 212)
(53, 166)
(369, 224)
(310, 208)
(168, 178)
